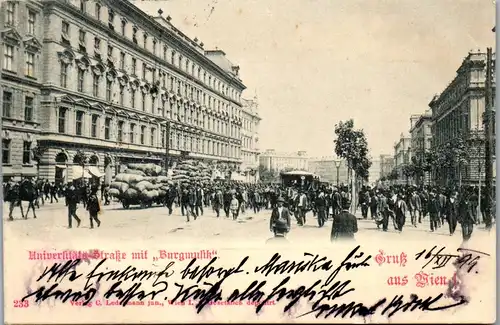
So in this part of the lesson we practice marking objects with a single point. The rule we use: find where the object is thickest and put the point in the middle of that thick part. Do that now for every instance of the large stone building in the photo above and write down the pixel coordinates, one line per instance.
(402, 157)
(279, 161)
(250, 140)
(330, 169)
(458, 112)
(21, 84)
(108, 82)
(421, 139)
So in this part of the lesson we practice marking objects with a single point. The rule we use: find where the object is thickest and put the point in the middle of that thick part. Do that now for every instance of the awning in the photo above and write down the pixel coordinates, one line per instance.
(95, 171)
(78, 172)
(61, 166)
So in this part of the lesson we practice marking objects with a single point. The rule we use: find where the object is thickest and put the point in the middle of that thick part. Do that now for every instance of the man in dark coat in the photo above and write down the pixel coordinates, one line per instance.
(345, 224)
(452, 212)
(280, 214)
(321, 206)
(93, 207)
(199, 200)
(466, 215)
(71, 203)
(191, 203)
(383, 208)
(280, 229)
(433, 209)
(218, 201)
(227, 201)
(400, 212)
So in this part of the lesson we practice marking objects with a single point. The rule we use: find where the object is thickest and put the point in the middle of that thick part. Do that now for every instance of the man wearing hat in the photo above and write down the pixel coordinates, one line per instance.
(280, 230)
(280, 222)
(93, 207)
(433, 209)
(345, 224)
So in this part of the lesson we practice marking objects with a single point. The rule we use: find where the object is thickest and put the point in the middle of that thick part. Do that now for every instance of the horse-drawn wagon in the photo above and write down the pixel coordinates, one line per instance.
(299, 178)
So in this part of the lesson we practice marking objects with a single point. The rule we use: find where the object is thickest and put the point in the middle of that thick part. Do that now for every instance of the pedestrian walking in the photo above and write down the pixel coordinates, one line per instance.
(93, 207)
(72, 203)
(234, 207)
(345, 224)
(452, 212)
(280, 217)
(433, 209)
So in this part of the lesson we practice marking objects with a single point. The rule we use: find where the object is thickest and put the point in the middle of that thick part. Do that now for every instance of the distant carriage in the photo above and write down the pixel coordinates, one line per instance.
(301, 179)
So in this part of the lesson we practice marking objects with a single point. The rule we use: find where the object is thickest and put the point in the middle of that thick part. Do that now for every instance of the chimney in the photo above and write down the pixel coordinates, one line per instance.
(160, 12)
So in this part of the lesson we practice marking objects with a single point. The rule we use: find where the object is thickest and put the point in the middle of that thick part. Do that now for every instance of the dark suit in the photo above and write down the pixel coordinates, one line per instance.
(71, 203)
(466, 217)
(344, 226)
(383, 208)
(400, 213)
(433, 209)
(321, 205)
(452, 214)
(275, 216)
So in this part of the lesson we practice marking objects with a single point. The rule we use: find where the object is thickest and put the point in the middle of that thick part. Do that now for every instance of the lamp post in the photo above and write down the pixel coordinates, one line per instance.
(167, 144)
(337, 165)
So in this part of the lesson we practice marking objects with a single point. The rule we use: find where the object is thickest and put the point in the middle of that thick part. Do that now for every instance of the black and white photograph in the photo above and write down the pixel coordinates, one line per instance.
(274, 123)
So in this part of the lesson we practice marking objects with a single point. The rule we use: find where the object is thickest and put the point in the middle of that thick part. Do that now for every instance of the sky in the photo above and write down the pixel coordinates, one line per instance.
(313, 63)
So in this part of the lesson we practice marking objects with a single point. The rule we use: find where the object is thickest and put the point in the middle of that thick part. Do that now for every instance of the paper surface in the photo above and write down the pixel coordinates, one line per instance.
(390, 277)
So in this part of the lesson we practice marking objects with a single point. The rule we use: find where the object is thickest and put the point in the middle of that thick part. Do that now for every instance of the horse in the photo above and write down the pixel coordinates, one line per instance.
(25, 191)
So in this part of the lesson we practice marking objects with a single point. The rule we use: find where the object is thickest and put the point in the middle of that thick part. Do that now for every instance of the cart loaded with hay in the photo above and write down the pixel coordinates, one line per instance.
(140, 184)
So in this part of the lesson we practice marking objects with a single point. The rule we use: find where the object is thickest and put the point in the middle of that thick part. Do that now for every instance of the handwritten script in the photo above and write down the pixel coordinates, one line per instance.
(207, 283)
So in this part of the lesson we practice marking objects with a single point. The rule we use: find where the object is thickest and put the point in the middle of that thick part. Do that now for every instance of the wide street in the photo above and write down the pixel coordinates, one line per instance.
(154, 224)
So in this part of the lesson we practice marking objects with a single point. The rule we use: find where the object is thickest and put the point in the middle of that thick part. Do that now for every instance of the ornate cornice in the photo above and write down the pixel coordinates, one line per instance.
(126, 8)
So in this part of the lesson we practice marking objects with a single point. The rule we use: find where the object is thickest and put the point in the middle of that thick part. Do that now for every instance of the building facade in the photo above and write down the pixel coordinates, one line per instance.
(374, 172)
(21, 84)
(458, 112)
(250, 140)
(279, 161)
(386, 165)
(402, 157)
(421, 139)
(112, 80)
(330, 169)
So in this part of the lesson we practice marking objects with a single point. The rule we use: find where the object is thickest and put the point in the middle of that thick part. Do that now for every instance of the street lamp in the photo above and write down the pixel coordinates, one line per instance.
(167, 143)
(337, 165)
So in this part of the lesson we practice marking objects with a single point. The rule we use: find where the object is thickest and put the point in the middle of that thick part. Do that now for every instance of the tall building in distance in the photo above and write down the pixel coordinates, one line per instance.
(330, 169)
(402, 156)
(421, 139)
(458, 112)
(279, 161)
(101, 80)
(386, 165)
(374, 173)
(250, 120)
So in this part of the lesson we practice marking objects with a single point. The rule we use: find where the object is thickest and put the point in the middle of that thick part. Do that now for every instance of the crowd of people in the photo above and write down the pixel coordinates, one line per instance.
(451, 206)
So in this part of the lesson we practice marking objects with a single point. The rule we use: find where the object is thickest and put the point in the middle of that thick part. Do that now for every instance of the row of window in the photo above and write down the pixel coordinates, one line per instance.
(168, 108)
(178, 140)
(6, 152)
(9, 62)
(168, 82)
(11, 9)
(8, 106)
(151, 44)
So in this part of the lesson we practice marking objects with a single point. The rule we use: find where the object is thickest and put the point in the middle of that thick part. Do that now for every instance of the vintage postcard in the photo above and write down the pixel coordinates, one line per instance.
(200, 161)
